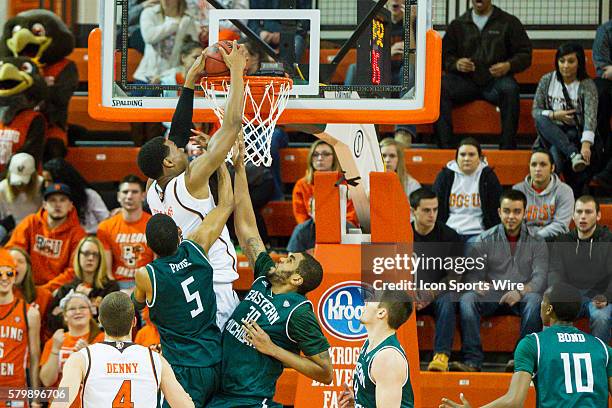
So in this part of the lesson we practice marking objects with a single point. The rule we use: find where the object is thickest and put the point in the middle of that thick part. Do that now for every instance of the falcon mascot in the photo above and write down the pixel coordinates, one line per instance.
(43, 37)
(22, 127)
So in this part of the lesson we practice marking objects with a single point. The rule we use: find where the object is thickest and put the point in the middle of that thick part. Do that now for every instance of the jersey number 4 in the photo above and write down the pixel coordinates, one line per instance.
(190, 297)
(578, 360)
(123, 399)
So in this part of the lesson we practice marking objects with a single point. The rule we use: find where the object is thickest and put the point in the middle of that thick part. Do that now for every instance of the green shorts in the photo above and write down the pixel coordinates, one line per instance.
(228, 401)
(201, 383)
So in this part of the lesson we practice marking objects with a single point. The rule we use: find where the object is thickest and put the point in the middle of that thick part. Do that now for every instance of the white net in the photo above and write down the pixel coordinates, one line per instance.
(261, 111)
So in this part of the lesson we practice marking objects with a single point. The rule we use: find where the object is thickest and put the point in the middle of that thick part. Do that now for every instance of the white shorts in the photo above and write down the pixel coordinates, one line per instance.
(227, 300)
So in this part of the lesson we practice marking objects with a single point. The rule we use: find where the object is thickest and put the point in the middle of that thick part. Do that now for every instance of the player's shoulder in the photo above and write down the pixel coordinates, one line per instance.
(389, 361)
(390, 355)
(192, 246)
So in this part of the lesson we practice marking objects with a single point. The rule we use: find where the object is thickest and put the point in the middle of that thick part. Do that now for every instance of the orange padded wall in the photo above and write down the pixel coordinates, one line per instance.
(337, 300)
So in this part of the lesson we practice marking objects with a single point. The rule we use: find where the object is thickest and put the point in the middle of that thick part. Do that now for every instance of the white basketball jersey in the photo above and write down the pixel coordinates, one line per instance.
(122, 374)
(188, 212)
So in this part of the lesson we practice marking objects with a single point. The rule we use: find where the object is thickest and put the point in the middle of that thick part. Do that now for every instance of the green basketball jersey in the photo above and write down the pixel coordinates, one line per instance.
(363, 386)
(248, 376)
(570, 368)
(183, 307)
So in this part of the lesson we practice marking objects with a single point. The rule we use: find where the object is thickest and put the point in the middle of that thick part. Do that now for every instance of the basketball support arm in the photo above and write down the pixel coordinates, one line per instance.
(359, 154)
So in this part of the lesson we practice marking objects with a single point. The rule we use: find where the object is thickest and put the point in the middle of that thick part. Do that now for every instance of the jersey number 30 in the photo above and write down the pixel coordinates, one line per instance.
(190, 297)
(578, 359)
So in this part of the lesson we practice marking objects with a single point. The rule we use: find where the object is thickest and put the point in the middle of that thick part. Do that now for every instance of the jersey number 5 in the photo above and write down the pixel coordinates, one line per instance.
(577, 358)
(190, 297)
(123, 399)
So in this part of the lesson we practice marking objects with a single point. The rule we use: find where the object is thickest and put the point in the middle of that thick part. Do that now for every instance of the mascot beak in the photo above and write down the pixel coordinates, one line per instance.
(25, 44)
(13, 81)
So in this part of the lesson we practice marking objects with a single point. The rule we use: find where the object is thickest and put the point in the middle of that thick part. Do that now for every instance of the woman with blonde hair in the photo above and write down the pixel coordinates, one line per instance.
(321, 157)
(393, 156)
(91, 279)
(82, 330)
(24, 286)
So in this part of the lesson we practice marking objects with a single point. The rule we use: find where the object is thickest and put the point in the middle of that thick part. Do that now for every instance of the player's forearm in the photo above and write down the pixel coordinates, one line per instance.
(502, 402)
(182, 118)
(303, 365)
(235, 101)
(226, 196)
(244, 215)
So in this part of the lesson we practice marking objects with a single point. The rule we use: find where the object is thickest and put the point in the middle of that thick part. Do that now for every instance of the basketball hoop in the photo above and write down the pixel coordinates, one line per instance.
(265, 99)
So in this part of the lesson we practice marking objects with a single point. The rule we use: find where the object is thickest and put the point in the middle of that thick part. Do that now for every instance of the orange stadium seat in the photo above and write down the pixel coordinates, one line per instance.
(424, 164)
(79, 115)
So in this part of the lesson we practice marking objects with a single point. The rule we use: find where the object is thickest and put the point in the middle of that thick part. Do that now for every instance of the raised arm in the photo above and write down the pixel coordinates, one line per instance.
(73, 374)
(515, 397)
(220, 144)
(172, 389)
(210, 228)
(183, 114)
(244, 216)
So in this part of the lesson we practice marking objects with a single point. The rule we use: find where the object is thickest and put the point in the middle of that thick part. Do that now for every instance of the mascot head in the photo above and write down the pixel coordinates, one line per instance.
(37, 34)
(21, 86)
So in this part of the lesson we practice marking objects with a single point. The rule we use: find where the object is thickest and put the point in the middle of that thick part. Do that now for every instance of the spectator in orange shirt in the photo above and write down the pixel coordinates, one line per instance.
(82, 331)
(50, 236)
(123, 235)
(20, 326)
(25, 289)
(321, 157)
(90, 207)
(90, 279)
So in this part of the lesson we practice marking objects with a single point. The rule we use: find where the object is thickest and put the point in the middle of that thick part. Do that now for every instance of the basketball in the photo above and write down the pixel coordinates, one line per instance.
(214, 64)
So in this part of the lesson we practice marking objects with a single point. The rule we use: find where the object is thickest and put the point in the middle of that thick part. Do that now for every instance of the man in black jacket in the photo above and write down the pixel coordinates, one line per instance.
(433, 239)
(583, 258)
(481, 50)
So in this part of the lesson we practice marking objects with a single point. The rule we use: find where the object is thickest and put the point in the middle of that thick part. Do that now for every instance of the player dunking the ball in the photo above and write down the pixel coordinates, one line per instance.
(181, 190)
(382, 374)
(273, 323)
(569, 368)
(117, 372)
(178, 289)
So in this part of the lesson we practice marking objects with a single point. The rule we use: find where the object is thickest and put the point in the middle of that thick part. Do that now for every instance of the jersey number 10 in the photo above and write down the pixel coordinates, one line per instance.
(190, 297)
(577, 358)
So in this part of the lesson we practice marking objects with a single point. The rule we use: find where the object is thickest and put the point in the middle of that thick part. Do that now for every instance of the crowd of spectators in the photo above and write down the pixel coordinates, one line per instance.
(68, 250)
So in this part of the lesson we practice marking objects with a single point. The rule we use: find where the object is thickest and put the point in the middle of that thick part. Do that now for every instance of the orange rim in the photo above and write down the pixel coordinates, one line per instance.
(257, 84)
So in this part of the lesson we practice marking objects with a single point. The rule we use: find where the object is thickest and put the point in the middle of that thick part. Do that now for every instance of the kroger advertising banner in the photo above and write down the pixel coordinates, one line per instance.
(338, 305)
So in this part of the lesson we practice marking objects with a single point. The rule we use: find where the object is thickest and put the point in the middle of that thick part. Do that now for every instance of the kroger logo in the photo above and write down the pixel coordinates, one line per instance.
(340, 308)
